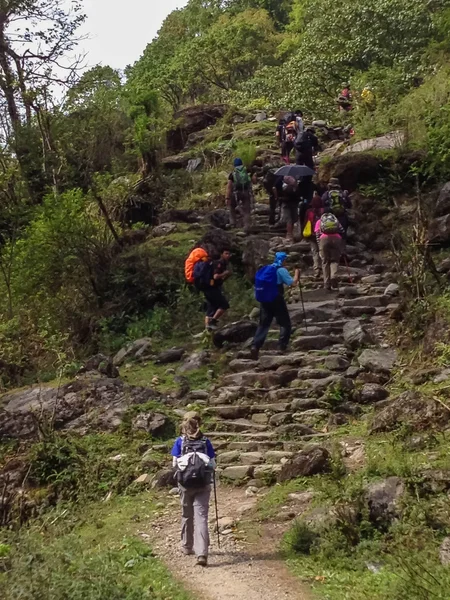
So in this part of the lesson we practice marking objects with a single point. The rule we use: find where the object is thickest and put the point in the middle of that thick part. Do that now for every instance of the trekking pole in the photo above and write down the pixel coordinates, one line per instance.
(217, 511)
(348, 269)
(303, 302)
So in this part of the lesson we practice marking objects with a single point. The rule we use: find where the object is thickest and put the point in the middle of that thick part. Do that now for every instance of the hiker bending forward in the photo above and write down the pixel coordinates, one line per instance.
(330, 234)
(194, 458)
(270, 294)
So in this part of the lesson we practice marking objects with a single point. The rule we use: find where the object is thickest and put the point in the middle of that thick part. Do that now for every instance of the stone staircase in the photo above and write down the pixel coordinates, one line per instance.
(265, 411)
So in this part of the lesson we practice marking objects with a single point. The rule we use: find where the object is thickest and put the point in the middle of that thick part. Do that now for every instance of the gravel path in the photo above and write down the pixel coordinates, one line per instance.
(238, 570)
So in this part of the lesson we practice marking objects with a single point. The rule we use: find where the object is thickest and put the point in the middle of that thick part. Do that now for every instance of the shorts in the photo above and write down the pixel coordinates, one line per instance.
(215, 300)
(290, 212)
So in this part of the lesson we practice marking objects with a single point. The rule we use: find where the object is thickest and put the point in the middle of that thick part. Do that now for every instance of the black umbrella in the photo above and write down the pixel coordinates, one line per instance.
(295, 171)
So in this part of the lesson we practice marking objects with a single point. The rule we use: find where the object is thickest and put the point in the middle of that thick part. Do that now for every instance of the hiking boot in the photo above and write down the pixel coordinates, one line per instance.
(212, 325)
(202, 561)
(334, 284)
(254, 353)
(187, 551)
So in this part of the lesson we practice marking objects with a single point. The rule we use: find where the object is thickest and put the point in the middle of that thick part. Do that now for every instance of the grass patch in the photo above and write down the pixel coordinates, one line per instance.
(100, 557)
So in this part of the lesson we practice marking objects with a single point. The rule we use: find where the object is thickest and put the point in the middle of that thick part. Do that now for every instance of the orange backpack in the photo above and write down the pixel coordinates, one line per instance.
(194, 257)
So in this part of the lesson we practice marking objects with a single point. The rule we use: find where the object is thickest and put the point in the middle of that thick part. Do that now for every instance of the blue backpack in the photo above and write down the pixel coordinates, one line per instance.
(203, 275)
(266, 284)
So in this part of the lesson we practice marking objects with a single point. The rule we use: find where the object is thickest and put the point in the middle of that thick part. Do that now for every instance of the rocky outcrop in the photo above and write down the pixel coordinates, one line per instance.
(395, 139)
(413, 409)
(192, 120)
(93, 403)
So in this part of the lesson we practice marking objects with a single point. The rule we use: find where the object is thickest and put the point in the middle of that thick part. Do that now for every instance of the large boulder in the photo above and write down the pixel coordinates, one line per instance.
(383, 499)
(412, 409)
(219, 218)
(378, 361)
(235, 333)
(352, 169)
(443, 202)
(310, 461)
(154, 423)
(439, 230)
(385, 142)
(192, 120)
(255, 254)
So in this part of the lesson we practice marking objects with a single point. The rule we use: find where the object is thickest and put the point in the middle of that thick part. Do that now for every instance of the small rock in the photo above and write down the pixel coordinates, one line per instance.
(170, 356)
(393, 289)
(143, 479)
(383, 498)
(309, 461)
(174, 492)
(356, 335)
(378, 360)
(372, 392)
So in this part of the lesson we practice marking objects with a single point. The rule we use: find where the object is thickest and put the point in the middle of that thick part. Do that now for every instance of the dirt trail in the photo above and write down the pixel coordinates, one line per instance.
(238, 570)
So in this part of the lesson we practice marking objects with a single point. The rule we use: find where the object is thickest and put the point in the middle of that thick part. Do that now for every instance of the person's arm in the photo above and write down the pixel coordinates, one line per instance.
(211, 453)
(287, 279)
(176, 451)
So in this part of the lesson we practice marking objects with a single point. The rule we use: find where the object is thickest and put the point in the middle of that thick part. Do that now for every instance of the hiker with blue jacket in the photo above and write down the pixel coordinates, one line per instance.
(194, 458)
(269, 291)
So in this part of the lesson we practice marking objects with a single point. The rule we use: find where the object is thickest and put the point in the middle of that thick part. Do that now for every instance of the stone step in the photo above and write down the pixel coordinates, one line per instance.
(368, 301)
(238, 425)
(244, 410)
(316, 342)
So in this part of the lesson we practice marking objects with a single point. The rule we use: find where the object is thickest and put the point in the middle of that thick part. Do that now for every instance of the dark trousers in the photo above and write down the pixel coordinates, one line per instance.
(270, 310)
(273, 204)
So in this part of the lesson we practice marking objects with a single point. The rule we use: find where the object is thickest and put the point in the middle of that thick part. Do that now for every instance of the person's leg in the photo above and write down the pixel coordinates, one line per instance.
(222, 304)
(272, 208)
(291, 213)
(335, 252)
(265, 321)
(233, 203)
(201, 531)
(325, 262)
(316, 256)
(210, 308)
(284, 321)
(246, 203)
(187, 520)
(289, 148)
(299, 160)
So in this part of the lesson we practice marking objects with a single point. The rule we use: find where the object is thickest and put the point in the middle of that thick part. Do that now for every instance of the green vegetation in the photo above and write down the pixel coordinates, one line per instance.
(93, 556)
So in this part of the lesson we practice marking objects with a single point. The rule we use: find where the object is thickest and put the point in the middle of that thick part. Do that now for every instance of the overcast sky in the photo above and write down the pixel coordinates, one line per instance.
(119, 30)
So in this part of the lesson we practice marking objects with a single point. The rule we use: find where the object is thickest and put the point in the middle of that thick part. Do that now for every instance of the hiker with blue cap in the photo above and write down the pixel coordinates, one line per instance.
(239, 193)
(269, 291)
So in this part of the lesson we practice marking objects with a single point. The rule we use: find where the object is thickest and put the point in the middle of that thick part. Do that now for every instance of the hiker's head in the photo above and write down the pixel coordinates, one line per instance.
(238, 162)
(290, 184)
(226, 253)
(191, 424)
(334, 184)
(299, 113)
(346, 85)
(280, 257)
(311, 129)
